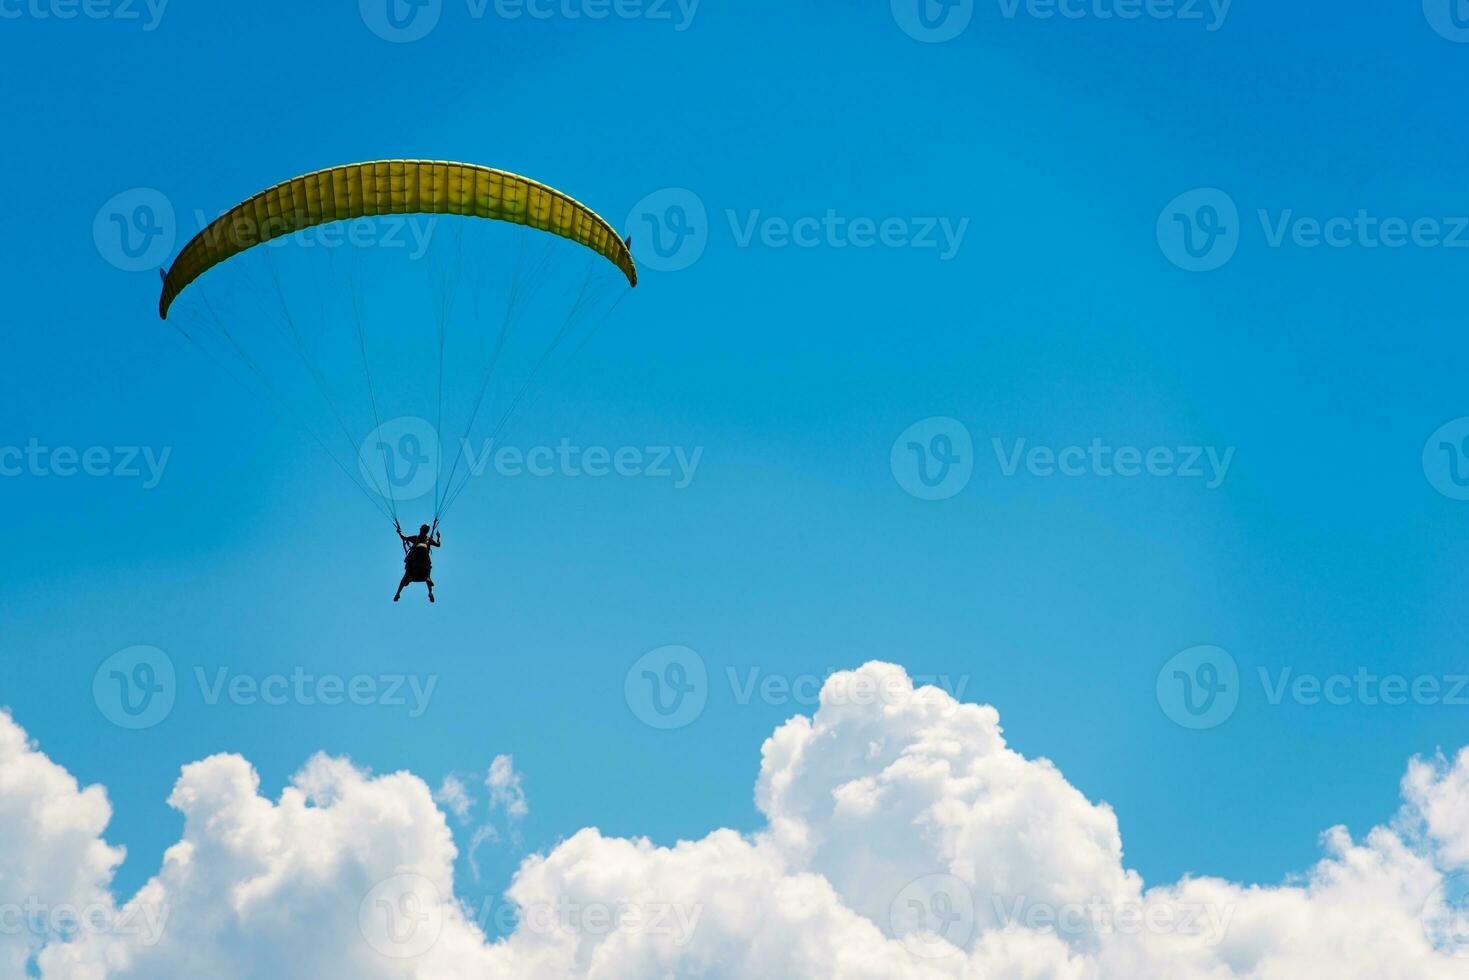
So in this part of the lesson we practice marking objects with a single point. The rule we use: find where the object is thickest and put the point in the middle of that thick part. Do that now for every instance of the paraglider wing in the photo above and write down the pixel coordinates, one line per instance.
(392, 187)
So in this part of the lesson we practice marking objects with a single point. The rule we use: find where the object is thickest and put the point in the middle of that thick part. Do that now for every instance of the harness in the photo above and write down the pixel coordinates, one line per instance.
(418, 554)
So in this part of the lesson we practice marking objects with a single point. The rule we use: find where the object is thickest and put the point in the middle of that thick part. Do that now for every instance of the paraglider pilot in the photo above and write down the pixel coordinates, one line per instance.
(418, 563)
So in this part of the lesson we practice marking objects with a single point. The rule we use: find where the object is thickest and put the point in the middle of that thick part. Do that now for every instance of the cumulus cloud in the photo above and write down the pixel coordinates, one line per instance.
(54, 866)
(903, 839)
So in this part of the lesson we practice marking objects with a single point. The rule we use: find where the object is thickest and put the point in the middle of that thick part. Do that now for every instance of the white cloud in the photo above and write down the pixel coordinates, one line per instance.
(904, 840)
(454, 797)
(506, 794)
(54, 866)
(506, 791)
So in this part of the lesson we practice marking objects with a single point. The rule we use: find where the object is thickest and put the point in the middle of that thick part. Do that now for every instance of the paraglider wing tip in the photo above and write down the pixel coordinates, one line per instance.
(631, 268)
(163, 300)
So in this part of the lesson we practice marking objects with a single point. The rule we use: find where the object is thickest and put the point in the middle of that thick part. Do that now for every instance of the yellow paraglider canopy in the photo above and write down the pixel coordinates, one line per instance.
(392, 187)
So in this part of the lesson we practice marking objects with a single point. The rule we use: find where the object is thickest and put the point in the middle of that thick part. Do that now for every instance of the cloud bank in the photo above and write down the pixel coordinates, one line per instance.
(904, 839)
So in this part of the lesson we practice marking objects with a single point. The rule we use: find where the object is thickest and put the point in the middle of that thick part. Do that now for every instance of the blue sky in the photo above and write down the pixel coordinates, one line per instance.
(1060, 317)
